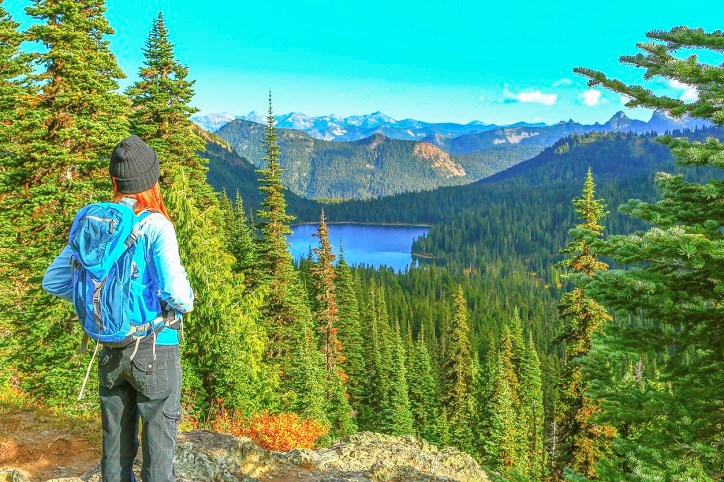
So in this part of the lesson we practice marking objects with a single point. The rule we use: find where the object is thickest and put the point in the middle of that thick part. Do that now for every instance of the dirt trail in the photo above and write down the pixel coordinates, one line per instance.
(41, 451)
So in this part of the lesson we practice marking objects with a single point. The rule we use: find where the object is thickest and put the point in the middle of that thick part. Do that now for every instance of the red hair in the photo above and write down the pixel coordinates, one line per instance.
(148, 199)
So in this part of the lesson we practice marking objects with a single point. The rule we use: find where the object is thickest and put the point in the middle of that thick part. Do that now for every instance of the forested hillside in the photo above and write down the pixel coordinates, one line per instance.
(601, 361)
(368, 168)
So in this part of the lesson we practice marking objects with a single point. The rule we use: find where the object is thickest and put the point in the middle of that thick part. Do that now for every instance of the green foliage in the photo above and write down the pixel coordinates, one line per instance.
(531, 412)
(223, 341)
(14, 90)
(458, 373)
(57, 163)
(350, 334)
(160, 115)
(398, 418)
(241, 242)
(368, 168)
(377, 380)
(583, 442)
(292, 348)
(424, 392)
(668, 300)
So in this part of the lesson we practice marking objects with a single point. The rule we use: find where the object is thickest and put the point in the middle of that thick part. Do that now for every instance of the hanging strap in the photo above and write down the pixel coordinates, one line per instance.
(87, 372)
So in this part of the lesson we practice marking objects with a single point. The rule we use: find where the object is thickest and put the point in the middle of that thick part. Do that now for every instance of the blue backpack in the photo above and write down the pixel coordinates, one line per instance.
(113, 305)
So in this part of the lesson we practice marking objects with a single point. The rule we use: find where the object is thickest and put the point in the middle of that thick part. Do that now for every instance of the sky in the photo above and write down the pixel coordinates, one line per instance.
(453, 61)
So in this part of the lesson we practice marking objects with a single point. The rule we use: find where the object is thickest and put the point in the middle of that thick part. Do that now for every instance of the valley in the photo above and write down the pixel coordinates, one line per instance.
(384, 163)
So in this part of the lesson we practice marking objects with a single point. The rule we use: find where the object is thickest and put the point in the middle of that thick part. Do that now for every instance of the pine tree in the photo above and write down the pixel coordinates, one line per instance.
(583, 442)
(531, 403)
(241, 243)
(325, 308)
(222, 333)
(75, 120)
(377, 381)
(160, 114)
(673, 272)
(509, 367)
(223, 343)
(15, 94)
(349, 333)
(274, 220)
(458, 374)
(482, 390)
(423, 391)
(397, 416)
(326, 316)
(291, 349)
(501, 451)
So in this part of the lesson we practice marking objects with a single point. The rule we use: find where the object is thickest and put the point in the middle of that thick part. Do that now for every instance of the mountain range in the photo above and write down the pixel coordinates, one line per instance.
(382, 164)
(352, 128)
(371, 167)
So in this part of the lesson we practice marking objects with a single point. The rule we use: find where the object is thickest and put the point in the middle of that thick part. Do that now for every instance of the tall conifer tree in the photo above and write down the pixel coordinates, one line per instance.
(325, 300)
(673, 278)
(291, 347)
(350, 334)
(501, 446)
(222, 333)
(161, 111)
(397, 416)
(74, 120)
(423, 391)
(582, 441)
(377, 381)
(458, 373)
(531, 402)
(326, 316)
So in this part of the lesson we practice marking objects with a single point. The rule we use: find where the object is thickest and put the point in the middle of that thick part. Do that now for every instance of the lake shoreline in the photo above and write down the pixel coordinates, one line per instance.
(361, 223)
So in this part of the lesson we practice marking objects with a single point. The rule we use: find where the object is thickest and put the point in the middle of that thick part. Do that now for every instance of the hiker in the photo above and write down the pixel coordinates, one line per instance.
(130, 290)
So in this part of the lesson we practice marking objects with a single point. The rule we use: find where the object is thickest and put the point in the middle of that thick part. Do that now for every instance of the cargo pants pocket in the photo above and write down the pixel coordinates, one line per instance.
(151, 376)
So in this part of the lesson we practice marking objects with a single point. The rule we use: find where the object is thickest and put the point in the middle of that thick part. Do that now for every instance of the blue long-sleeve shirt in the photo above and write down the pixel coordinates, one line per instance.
(164, 264)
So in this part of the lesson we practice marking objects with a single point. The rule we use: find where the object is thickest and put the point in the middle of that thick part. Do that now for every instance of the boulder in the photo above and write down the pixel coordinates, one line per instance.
(362, 457)
(12, 475)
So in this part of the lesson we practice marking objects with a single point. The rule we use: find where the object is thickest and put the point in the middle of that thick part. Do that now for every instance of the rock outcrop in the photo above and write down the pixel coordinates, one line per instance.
(362, 457)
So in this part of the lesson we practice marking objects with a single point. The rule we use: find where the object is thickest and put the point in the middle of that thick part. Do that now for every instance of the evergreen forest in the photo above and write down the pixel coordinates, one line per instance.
(564, 321)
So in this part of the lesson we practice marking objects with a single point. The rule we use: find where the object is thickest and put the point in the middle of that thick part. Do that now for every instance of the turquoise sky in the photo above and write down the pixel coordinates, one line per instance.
(498, 62)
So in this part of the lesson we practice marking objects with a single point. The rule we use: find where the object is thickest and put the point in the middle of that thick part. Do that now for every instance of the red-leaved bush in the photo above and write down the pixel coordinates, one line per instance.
(273, 431)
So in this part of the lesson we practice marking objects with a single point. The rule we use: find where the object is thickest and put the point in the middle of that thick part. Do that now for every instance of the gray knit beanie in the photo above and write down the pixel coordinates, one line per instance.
(134, 166)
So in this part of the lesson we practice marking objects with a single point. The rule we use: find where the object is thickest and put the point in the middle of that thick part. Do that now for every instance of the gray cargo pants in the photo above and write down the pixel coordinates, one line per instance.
(140, 388)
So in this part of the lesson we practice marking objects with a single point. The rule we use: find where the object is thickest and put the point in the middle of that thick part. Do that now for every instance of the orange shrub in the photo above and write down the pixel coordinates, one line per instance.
(279, 431)
(284, 431)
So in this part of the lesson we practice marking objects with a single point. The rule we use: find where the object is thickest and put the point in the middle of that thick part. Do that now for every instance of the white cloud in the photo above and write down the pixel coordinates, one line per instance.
(481, 98)
(625, 99)
(591, 97)
(689, 94)
(560, 82)
(534, 97)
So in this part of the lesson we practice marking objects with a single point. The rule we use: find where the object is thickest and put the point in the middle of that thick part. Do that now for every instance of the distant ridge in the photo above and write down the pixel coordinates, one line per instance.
(352, 128)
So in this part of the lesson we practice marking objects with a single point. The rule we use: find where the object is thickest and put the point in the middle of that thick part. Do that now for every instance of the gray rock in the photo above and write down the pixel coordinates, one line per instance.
(12, 475)
(362, 457)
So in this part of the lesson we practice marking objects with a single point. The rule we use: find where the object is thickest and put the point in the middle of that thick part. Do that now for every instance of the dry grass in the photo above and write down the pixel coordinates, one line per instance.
(45, 442)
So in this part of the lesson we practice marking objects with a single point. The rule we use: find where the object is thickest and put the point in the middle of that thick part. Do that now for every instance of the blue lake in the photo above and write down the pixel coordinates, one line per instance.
(367, 244)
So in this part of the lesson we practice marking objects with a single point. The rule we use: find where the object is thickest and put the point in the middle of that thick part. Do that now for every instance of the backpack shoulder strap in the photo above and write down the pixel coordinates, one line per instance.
(145, 215)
